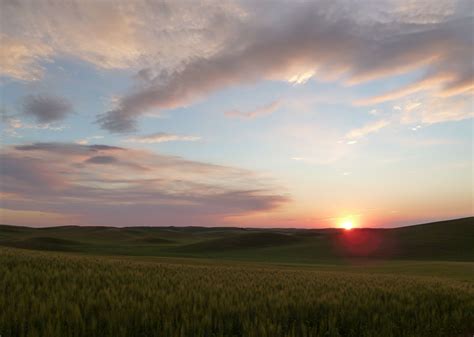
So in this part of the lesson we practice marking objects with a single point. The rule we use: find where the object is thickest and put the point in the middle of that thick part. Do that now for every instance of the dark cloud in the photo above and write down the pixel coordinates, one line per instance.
(130, 187)
(67, 148)
(329, 40)
(46, 109)
(117, 121)
(102, 160)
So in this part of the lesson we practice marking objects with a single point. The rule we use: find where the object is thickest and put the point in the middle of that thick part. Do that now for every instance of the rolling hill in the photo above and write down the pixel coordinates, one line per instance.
(451, 240)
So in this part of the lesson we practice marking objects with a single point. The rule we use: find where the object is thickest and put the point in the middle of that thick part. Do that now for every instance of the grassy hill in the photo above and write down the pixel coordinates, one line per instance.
(451, 240)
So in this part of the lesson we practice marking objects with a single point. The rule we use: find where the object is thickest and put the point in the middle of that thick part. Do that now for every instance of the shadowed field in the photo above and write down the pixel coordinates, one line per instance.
(445, 241)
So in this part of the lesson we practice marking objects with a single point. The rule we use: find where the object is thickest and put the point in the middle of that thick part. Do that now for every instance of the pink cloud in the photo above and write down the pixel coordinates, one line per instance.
(122, 186)
(310, 43)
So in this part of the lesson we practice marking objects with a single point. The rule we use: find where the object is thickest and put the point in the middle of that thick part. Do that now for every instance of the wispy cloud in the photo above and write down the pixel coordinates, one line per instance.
(257, 112)
(12, 125)
(365, 130)
(87, 140)
(309, 43)
(417, 111)
(427, 83)
(100, 184)
(434, 110)
(161, 137)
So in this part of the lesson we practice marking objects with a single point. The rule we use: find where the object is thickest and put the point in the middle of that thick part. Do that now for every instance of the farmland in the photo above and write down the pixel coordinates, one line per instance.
(60, 286)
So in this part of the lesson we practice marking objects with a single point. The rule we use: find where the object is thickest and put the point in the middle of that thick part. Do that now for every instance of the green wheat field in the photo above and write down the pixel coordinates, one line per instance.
(102, 281)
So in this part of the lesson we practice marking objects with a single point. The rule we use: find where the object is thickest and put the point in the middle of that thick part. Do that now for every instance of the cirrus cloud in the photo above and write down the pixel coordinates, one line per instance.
(367, 129)
(161, 137)
(257, 112)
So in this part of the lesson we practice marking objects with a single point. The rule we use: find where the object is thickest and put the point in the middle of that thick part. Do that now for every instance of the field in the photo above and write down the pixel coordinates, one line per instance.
(230, 282)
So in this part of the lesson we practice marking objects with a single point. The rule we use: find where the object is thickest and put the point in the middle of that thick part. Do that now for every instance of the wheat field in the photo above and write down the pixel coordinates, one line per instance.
(57, 295)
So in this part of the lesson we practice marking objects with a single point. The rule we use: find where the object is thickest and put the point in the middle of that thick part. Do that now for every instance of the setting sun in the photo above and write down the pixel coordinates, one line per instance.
(347, 224)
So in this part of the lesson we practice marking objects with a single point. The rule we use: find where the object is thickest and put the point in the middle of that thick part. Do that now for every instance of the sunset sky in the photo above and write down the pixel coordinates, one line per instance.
(236, 113)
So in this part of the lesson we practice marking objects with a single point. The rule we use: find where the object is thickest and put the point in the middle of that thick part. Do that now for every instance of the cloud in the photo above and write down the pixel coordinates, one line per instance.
(327, 40)
(365, 130)
(20, 59)
(184, 52)
(161, 137)
(85, 141)
(46, 109)
(374, 112)
(112, 35)
(259, 111)
(429, 83)
(419, 110)
(29, 171)
(67, 149)
(106, 185)
(102, 160)
(432, 110)
(12, 125)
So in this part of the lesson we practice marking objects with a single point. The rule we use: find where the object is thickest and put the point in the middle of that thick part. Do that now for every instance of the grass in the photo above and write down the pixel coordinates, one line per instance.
(57, 294)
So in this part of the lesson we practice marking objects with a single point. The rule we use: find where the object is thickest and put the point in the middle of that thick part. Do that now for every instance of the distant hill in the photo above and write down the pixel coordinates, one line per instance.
(243, 241)
(445, 240)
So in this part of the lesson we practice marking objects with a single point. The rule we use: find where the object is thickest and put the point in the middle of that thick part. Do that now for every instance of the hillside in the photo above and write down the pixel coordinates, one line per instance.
(451, 240)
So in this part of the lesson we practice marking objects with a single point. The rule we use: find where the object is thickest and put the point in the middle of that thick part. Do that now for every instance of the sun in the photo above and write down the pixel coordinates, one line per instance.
(347, 224)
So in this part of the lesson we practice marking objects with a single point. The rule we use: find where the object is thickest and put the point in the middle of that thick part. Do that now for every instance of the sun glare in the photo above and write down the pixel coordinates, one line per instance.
(347, 224)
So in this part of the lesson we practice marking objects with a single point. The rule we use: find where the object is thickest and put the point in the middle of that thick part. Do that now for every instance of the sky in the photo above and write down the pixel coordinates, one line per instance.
(236, 113)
